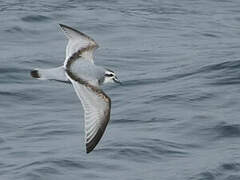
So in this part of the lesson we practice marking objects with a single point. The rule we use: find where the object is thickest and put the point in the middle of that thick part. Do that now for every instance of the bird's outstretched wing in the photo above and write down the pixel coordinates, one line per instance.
(79, 44)
(97, 107)
(96, 104)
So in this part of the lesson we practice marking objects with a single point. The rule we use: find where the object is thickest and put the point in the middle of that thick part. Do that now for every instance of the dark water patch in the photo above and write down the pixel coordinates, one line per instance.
(35, 18)
(1, 140)
(140, 121)
(211, 35)
(204, 176)
(221, 1)
(58, 132)
(11, 70)
(6, 148)
(14, 29)
(4, 165)
(225, 130)
(160, 119)
(201, 97)
(5, 168)
(225, 73)
(228, 65)
(32, 164)
(14, 75)
(65, 163)
(225, 171)
(168, 97)
(125, 121)
(19, 30)
(230, 167)
(219, 131)
(226, 81)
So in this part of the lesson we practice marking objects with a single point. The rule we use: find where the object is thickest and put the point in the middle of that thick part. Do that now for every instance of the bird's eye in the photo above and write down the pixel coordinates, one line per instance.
(109, 75)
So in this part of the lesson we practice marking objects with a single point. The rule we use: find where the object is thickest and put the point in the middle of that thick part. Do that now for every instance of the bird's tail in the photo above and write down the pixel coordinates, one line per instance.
(57, 74)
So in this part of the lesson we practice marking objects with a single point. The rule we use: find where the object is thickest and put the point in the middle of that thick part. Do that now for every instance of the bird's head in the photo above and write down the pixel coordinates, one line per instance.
(110, 76)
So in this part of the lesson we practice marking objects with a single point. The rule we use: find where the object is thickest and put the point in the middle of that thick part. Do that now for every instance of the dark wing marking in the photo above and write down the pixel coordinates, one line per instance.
(97, 107)
(79, 44)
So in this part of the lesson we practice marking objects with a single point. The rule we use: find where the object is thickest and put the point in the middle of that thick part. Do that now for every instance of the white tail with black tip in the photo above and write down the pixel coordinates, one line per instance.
(57, 74)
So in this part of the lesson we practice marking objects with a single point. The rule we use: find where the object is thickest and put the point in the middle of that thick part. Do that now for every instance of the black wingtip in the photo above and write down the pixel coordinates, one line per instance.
(90, 147)
(64, 26)
(93, 143)
(88, 151)
(61, 25)
(35, 74)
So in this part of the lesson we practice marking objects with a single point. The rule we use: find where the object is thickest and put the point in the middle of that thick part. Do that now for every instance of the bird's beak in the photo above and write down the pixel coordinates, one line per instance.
(115, 79)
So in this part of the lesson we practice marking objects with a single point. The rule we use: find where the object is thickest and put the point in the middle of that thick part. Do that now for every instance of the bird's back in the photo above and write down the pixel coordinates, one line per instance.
(88, 71)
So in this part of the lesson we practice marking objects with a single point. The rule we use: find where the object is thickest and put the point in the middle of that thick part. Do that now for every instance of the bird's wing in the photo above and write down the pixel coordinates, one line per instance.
(79, 44)
(97, 107)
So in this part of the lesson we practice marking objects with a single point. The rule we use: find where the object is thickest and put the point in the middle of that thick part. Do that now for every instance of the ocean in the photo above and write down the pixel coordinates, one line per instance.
(176, 117)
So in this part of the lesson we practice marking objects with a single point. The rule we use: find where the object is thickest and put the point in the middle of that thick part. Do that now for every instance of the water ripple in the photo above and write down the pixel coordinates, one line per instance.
(35, 18)
(146, 150)
(226, 171)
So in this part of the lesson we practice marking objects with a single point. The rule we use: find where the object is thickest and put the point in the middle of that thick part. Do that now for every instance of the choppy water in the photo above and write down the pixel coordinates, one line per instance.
(175, 118)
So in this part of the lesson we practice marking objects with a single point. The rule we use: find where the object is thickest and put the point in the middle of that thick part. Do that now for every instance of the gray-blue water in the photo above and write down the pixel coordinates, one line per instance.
(177, 117)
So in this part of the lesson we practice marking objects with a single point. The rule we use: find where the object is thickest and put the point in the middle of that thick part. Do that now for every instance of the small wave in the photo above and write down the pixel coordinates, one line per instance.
(35, 18)
(1, 140)
(16, 96)
(227, 65)
(204, 176)
(226, 171)
(64, 163)
(230, 167)
(226, 131)
(145, 150)
(20, 30)
(47, 170)
(219, 131)
(32, 175)
(11, 70)
(14, 29)
(228, 71)
(224, 73)
(210, 35)
(138, 121)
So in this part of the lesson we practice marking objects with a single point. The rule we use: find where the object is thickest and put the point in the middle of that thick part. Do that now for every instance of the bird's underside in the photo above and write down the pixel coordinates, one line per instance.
(96, 104)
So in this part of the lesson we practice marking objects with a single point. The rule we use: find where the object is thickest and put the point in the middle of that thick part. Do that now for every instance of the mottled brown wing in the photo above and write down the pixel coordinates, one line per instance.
(79, 44)
(97, 107)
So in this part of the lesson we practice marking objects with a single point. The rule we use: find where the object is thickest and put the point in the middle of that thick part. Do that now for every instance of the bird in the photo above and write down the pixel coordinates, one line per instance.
(87, 78)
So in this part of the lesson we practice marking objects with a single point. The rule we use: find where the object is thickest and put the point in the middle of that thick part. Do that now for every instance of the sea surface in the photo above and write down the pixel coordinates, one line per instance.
(176, 117)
